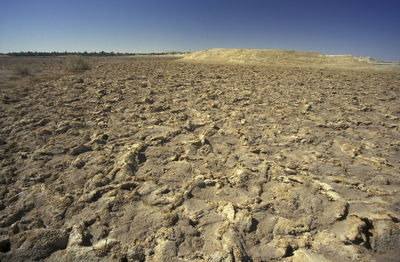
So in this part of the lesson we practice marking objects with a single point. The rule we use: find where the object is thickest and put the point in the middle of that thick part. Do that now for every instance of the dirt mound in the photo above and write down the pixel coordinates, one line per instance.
(170, 161)
(276, 57)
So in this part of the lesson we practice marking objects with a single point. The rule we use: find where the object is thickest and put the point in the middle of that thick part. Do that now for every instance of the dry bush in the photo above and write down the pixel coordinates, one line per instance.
(77, 63)
(22, 69)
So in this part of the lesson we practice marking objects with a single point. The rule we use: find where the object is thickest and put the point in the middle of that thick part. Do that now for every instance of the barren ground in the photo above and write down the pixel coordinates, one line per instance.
(156, 160)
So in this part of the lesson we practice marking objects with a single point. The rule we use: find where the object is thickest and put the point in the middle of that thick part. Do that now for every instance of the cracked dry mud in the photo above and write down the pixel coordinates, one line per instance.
(173, 161)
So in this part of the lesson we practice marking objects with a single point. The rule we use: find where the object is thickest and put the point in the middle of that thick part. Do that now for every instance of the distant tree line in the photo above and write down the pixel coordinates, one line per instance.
(102, 53)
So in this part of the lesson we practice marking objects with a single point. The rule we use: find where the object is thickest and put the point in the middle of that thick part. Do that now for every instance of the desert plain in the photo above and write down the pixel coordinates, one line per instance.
(223, 155)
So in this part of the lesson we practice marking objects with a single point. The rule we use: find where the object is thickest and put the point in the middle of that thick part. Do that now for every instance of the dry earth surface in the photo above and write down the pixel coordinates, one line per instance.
(158, 160)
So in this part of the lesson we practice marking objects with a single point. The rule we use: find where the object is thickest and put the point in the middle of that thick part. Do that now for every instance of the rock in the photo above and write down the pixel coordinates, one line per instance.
(289, 227)
(39, 244)
(229, 211)
(44, 122)
(78, 163)
(329, 191)
(95, 194)
(128, 163)
(98, 180)
(166, 251)
(80, 150)
(239, 177)
(385, 239)
(147, 187)
(244, 221)
(266, 252)
(220, 256)
(45, 132)
(352, 230)
(135, 254)
(304, 255)
(5, 245)
(103, 246)
(233, 242)
(99, 138)
(171, 219)
(148, 100)
(75, 236)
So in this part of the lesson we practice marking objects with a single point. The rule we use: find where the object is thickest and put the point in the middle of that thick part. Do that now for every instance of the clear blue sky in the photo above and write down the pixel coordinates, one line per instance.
(358, 27)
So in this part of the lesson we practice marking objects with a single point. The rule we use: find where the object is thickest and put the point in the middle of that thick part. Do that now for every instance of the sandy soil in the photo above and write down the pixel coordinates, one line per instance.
(162, 160)
(290, 58)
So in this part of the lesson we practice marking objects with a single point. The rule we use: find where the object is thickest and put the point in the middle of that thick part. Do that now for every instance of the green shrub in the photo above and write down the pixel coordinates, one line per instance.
(77, 63)
(22, 69)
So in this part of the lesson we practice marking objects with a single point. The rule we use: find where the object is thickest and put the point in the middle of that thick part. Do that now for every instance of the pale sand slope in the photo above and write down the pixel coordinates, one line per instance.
(278, 57)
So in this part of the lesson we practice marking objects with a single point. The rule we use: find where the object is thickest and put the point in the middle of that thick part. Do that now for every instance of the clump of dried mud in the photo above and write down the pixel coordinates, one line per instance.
(172, 161)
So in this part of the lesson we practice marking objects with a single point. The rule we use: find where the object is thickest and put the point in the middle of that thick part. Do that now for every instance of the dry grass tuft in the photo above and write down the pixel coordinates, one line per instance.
(77, 63)
(22, 69)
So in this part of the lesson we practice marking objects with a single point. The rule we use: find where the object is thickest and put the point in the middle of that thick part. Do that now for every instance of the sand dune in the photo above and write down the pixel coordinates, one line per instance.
(277, 57)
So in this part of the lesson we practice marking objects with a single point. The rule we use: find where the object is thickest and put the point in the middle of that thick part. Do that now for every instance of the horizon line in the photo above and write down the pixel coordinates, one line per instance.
(181, 52)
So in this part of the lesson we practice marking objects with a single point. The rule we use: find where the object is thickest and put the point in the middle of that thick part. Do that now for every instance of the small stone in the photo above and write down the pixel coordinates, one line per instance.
(79, 163)
(165, 251)
(75, 237)
(209, 182)
(244, 221)
(148, 100)
(171, 218)
(45, 132)
(135, 254)
(303, 255)
(103, 246)
(98, 181)
(80, 149)
(307, 107)
(40, 243)
(351, 230)
(43, 122)
(239, 177)
(229, 211)
(5, 245)
(231, 240)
